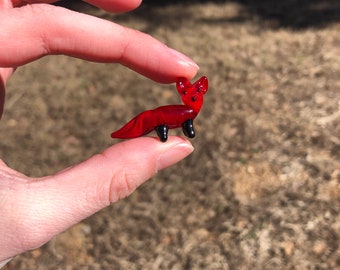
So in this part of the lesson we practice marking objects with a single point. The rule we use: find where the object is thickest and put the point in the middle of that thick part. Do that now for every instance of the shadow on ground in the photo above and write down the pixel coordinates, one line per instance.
(295, 14)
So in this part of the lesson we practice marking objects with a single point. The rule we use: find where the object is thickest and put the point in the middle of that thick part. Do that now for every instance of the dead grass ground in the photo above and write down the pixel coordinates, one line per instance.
(262, 189)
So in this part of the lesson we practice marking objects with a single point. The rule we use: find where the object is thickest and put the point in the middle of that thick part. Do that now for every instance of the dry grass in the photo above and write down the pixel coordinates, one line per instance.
(261, 190)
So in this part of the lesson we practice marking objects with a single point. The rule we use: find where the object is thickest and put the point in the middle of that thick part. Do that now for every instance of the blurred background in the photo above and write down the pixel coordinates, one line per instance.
(261, 190)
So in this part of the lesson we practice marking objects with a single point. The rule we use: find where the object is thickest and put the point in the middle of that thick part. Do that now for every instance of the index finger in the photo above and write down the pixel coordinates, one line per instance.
(33, 31)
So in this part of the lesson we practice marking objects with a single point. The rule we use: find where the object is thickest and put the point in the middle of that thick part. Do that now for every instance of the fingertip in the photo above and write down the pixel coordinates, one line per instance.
(184, 60)
(140, 159)
(162, 64)
(177, 149)
(157, 157)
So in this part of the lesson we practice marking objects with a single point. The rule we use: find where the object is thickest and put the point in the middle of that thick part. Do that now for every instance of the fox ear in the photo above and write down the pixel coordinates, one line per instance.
(202, 83)
(182, 85)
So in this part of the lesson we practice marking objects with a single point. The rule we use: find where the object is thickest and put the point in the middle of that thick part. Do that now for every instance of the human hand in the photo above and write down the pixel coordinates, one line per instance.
(34, 210)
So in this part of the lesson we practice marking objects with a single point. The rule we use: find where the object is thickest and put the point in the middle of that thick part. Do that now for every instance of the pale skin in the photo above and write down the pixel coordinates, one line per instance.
(34, 210)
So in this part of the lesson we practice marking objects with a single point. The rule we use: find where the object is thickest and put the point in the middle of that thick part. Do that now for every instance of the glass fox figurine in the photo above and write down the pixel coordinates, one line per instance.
(168, 117)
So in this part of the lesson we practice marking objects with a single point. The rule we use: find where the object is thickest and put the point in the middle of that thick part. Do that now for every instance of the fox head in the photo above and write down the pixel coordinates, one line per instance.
(192, 94)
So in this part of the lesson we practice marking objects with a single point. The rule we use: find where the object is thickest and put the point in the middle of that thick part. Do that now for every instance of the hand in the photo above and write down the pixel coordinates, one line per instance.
(34, 210)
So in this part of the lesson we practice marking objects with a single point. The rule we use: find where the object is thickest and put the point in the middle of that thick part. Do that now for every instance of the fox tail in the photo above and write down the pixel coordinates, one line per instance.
(138, 126)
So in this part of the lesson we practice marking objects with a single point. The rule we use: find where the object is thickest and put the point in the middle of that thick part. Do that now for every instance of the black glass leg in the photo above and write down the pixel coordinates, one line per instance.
(188, 128)
(162, 132)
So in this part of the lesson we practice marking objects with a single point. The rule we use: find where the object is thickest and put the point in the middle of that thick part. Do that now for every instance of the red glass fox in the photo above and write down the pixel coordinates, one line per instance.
(168, 117)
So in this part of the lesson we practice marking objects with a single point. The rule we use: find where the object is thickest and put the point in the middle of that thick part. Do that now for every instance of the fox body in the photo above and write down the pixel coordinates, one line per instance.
(173, 116)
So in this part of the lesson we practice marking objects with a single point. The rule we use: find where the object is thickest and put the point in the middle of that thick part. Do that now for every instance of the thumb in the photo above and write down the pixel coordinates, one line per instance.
(45, 207)
(119, 170)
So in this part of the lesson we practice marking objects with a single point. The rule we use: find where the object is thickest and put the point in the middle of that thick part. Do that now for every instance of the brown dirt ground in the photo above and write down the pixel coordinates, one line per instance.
(261, 190)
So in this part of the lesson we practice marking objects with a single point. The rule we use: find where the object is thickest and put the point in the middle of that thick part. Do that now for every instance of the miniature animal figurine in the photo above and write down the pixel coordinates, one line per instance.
(168, 117)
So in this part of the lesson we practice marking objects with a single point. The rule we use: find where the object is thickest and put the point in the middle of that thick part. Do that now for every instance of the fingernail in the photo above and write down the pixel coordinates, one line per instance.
(174, 154)
(184, 60)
